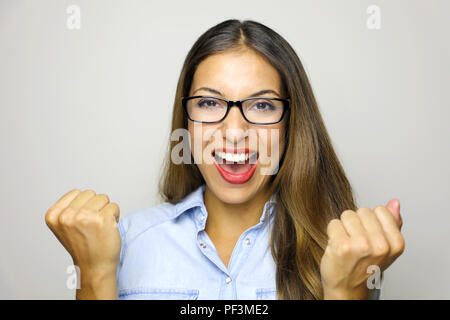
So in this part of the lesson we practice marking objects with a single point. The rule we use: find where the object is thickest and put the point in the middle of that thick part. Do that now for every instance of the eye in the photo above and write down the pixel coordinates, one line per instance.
(263, 106)
(207, 103)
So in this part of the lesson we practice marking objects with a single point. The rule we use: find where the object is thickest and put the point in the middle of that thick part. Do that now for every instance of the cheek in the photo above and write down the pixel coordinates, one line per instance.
(271, 141)
(280, 138)
(196, 143)
(271, 145)
(200, 143)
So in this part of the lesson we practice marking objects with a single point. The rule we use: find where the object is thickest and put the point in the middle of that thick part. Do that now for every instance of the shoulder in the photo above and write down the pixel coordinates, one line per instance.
(139, 221)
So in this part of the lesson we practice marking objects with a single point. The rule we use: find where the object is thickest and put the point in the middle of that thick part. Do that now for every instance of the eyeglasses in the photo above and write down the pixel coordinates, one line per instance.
(256, 110)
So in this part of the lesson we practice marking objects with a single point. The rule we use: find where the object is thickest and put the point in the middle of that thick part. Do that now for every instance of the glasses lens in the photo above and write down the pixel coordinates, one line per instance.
(263, 110)
(206, 109)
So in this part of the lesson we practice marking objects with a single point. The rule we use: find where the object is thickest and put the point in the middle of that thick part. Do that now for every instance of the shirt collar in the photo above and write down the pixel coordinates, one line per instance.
(195, 199)
(268, 207)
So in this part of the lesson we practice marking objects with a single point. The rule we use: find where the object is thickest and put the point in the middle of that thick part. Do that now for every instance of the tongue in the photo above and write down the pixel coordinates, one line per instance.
(236, 168)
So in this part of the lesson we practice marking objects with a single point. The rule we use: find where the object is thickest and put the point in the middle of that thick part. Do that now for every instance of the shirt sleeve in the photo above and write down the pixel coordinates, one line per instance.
(122, 247)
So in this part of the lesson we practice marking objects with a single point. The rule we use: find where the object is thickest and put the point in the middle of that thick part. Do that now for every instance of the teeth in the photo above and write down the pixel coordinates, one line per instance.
(232, 157)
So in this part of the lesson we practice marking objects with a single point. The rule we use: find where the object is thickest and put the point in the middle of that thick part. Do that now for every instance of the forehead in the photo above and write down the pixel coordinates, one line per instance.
(236, 74)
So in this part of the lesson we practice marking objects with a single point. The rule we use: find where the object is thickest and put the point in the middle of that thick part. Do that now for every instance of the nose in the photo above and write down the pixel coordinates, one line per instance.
(235, 126)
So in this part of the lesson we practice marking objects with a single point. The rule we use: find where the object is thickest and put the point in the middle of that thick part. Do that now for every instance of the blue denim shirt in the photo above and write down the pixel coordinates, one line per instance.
(166, 254)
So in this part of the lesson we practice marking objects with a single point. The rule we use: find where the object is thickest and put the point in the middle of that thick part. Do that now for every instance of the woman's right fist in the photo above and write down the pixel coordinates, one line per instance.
(86, 225)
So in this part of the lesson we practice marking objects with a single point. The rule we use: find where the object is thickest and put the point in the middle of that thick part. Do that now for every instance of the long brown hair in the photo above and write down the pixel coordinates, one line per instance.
(311, 187)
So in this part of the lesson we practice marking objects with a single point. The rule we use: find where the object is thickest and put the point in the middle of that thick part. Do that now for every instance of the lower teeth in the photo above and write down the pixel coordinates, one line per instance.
(237, 168)
(251, 160)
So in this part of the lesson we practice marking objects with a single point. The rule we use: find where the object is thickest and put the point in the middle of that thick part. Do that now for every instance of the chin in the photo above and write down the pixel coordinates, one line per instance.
(233, 193)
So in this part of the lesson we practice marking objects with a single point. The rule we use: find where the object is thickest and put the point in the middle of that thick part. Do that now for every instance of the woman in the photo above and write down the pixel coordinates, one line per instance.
(257, 206)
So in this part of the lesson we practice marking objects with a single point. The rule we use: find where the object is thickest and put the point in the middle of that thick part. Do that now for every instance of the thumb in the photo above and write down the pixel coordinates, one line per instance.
(394, 206)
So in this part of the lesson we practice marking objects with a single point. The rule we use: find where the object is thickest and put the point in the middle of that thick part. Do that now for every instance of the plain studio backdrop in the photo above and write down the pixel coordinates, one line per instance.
(90, 108)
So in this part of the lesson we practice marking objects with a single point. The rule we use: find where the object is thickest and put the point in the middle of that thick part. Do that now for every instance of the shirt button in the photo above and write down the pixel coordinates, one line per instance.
(228, 280)
(247, 241)
(202, 245)
(202, 217)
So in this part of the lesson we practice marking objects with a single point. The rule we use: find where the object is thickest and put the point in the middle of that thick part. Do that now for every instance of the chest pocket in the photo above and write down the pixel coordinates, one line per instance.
(146, 293)
(266, 294)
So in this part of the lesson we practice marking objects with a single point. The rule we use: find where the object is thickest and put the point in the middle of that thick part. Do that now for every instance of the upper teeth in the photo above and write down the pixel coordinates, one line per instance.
(233, 157)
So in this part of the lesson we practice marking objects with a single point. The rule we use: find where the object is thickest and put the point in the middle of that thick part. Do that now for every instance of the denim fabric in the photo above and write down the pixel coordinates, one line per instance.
(166, 254)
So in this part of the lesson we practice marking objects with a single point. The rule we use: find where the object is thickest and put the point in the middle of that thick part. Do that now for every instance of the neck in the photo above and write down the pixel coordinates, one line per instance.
(229, 220)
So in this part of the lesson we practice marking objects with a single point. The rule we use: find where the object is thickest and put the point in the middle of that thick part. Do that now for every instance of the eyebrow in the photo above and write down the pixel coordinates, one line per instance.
(253, 95)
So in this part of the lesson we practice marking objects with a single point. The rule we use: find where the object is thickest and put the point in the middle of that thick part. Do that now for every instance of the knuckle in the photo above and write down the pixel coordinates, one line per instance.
(115, 205)
(332, 224)
(116, 208)
(82, 218)
(86, 218)
(104, 197)
(65, 219)
(69, 210)
(343, 249)
(363, 209)
(361, 246)
(98, 221)
(379, 209)
(90, 191)
(345, 214)
(50, 216)
(380, 247)
(398, 245)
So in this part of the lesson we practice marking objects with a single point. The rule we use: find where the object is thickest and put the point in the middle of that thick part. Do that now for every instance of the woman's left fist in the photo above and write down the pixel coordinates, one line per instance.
(356, 241)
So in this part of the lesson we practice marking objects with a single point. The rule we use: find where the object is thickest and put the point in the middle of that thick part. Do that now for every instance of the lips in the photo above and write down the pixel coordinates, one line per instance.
(236, 166)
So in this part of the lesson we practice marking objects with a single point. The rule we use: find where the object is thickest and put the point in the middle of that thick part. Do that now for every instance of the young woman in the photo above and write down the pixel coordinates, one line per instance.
(237, 221)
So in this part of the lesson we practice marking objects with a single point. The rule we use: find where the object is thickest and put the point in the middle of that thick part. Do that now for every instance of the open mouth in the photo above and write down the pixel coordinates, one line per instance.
(235, 165)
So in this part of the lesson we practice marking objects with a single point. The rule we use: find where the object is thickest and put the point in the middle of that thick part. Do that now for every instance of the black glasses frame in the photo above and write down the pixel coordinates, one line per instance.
(237, 103)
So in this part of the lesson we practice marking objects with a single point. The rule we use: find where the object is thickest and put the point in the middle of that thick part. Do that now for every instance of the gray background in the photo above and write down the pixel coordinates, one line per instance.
(91, 108)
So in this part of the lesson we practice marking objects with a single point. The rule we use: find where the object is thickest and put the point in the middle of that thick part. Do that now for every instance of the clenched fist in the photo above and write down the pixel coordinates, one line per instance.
(356, 241)
(86, 225)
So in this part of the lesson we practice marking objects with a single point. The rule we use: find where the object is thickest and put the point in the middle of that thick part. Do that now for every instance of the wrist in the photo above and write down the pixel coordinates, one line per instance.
(349, 294)
(97, 284)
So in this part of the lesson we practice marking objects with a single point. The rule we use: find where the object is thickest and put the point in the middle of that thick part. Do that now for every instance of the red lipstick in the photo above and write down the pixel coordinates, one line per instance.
(235, 178)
